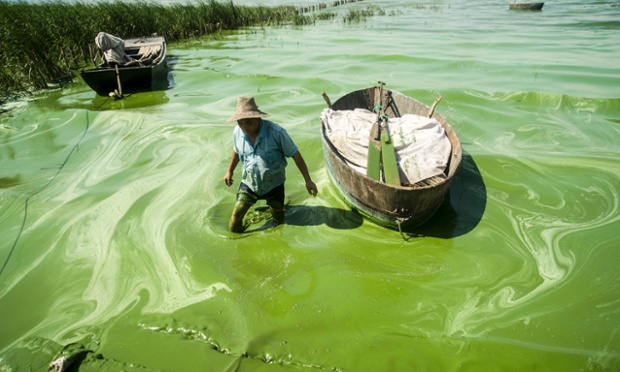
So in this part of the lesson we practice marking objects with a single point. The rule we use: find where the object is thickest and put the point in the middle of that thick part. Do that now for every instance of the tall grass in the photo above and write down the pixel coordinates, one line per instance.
(45, 43)
(358, 14)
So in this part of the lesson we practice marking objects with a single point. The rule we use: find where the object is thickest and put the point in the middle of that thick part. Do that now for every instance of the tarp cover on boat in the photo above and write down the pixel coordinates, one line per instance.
(421, 145)
(113, 48)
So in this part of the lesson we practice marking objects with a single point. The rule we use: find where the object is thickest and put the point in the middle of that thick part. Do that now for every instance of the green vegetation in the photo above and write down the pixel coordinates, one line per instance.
(45, 43)
(358, 15)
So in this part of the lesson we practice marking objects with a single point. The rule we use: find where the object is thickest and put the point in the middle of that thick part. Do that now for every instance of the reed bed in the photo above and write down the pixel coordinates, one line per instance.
(358, 15)
(43, 44)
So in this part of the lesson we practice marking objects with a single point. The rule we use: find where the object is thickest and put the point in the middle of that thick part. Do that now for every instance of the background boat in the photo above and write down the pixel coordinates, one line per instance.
(396, 207)
(146, 71)
(526, 6)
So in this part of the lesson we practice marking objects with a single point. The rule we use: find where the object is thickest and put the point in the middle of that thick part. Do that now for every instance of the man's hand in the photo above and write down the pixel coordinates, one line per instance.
(228, 179)
(232, 164)
(311, 187)
(303, 168)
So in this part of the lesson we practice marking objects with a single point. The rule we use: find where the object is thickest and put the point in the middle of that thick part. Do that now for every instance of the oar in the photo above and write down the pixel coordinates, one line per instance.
(388, 154)
(373, 166)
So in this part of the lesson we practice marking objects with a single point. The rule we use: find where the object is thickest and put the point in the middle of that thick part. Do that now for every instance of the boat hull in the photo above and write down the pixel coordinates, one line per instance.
(135, 78)
(395, 207)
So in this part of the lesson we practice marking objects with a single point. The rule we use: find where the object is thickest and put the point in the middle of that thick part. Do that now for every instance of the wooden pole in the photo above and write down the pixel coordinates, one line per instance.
(326, 98)
(118, 82)
(431, 111)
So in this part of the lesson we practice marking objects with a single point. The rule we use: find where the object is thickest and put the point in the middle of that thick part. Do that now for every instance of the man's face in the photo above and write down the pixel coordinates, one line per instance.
(249, 126)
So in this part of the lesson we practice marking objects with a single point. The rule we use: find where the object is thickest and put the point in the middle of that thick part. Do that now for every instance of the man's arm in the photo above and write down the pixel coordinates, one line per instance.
(232, 164)
(303, 168)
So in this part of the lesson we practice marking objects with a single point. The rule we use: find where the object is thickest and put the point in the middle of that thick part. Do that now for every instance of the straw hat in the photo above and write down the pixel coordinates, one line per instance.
(246, 108)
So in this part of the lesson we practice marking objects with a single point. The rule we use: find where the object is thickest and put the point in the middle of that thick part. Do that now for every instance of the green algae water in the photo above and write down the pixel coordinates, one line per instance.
(113, 214)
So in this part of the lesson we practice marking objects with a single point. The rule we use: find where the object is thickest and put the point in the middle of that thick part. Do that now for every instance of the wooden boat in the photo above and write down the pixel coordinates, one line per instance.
(525, 6)
(135, 64)
(394, 206)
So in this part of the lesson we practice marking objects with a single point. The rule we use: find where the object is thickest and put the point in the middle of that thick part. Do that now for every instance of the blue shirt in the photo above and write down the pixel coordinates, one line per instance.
(264, 163)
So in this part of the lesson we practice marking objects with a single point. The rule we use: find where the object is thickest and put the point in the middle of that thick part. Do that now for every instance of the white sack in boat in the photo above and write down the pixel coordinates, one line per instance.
(421, 145)
(113, 48)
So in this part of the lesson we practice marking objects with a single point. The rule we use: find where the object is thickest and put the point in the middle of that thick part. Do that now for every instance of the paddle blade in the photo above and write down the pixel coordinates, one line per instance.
(373, 169)
(390, 167)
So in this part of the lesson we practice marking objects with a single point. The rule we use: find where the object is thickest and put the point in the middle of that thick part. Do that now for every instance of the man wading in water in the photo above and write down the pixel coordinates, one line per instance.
(262, 146)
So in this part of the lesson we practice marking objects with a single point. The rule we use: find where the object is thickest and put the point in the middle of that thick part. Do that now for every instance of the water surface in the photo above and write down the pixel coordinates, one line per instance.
(113, 221)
